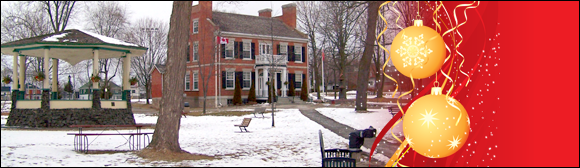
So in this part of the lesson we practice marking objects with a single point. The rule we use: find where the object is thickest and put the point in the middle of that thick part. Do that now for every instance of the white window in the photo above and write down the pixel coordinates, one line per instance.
(195, 26)
(265, 48)
(195, 81)
(247, 50)
(195, 51)
(187, 81)
(298, 81)
(230, 80)
(284, 49)
(298, 53)
(247, 80)
(230, 49)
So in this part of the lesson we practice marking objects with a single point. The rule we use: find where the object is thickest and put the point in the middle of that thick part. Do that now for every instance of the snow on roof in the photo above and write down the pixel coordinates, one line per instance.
(108, 39)
(55, 37)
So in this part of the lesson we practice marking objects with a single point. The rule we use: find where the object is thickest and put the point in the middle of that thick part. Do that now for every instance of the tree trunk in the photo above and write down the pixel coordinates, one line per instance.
(166, 135)
(363, 73)
(147, 91)
(379, 76)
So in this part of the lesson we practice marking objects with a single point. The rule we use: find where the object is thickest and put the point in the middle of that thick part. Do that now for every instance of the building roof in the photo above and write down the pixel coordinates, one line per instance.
(72, 46)
(257, 25)
(160, 67)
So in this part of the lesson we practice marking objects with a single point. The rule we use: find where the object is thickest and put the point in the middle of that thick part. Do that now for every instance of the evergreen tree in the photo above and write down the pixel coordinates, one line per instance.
(304, 92)
(237, 93)
(252, 94)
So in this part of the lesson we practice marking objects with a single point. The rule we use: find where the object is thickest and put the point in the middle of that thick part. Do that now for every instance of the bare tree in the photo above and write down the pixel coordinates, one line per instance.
(166, 136)
(107, 18)
(339, 25)
(152, 34)
(207, 58)
(59, 12)
(309, 15)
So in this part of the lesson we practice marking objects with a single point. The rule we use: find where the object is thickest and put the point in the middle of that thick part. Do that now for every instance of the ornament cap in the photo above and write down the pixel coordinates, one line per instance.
(418, 23)
(436, 91)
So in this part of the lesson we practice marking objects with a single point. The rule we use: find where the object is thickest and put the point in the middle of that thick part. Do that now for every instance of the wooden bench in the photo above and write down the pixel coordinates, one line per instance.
(245, 123)
(259, 110)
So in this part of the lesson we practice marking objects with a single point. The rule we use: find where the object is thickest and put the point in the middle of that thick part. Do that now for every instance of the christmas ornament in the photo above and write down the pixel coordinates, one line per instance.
(418, 51)
(436, 125)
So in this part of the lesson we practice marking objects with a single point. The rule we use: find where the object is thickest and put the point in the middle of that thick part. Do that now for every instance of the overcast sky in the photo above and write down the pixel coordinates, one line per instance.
(162, 9)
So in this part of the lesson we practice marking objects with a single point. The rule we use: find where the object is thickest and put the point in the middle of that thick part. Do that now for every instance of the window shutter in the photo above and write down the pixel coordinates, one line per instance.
(240, 50)
(279, 82)
(223, 48)
(240, 78)
(278, 48)
(253, 51)
(253, 78)
(291, 76)
(223, 79)
(303, 54)
(236, 53)
(291, 53)
(288, 52)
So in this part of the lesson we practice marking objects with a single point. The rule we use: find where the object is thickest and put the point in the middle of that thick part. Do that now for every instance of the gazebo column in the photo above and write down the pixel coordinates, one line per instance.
(15, 94)
(45, 103)
(21, 73)
(96, 90)
(126, 84)
(54, 79)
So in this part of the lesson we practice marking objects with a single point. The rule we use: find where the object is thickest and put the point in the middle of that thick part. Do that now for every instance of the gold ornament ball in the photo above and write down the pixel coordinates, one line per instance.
(419, 50)
(429, 125)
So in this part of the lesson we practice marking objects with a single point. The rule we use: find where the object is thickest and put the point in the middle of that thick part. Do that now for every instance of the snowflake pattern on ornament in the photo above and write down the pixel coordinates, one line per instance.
(414, 47)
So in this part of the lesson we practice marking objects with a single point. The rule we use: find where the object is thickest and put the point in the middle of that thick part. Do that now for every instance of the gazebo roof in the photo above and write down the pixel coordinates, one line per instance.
(72, 46)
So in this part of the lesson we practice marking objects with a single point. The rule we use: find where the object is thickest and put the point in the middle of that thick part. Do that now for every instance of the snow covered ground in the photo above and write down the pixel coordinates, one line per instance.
(293, 142)
(141, 101)
(377, 118)
(5, 106)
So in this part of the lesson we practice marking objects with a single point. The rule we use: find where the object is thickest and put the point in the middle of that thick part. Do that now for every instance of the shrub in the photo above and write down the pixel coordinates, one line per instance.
(304, 92)
(291, 91)
(252, 94)
(237, 93)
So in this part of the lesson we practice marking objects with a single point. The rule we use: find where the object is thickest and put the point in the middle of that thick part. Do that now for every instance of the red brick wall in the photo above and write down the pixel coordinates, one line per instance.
(156, 83)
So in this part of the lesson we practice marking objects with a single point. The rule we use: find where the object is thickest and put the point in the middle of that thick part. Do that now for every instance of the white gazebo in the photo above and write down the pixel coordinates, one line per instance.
(72, 46)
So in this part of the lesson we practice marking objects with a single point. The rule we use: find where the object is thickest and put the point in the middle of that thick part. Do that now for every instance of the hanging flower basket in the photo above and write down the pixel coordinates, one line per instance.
(39, 76)
(285, 82)
(268, 83)
(7, 79)
(95, 78)
(133, 81)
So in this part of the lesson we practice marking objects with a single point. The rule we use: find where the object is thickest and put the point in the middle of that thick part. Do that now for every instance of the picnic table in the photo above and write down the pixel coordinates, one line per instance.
(81, 141)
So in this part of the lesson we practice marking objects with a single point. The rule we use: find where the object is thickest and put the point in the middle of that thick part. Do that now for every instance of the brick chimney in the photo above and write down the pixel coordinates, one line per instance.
(205, 7)
(289, 14)
(265, 12)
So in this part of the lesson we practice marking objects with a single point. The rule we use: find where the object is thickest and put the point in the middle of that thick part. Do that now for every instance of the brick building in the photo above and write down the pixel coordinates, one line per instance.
(258, 46)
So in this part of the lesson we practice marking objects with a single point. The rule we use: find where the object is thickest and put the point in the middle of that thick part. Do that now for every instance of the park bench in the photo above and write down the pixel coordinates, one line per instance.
(335, 157)
(259, 110)
(245, 123)
(81, 141)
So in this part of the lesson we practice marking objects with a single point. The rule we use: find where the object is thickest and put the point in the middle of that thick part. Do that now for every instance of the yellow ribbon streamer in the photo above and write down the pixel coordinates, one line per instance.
(400, 157)
(396, 155)
(393, 127)
(382, 47)
(469, 6)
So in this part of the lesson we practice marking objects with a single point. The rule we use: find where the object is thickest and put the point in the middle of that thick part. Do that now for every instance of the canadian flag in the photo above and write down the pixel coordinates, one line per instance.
(222, 40)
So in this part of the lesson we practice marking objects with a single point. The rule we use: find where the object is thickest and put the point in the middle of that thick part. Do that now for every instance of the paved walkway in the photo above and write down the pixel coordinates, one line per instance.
(385, 148)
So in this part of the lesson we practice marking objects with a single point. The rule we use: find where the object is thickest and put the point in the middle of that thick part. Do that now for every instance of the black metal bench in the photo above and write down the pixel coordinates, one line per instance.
(245, 123)
(259, 110)
(81, 140)
(335, 157)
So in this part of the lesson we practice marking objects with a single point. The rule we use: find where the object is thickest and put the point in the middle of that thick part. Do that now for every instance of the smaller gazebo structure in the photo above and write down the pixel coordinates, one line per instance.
(71, 46)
